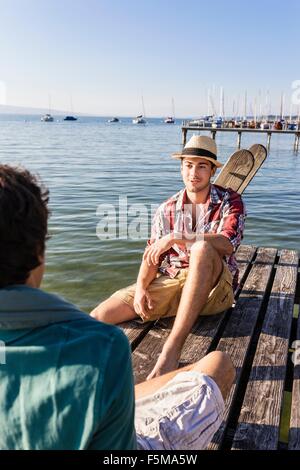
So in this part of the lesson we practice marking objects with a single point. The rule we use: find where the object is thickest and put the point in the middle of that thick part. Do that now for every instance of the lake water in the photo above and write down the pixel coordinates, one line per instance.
(90, 163)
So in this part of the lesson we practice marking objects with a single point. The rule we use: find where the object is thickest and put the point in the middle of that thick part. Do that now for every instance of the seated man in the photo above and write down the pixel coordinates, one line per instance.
(189, 266)
(66, 379)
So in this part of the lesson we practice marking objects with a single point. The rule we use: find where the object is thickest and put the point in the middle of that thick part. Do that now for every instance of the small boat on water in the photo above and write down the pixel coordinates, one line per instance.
(113, 119)
(47, 118)
(169, 120)
(277, 125)
(70, 118)
(139, 120)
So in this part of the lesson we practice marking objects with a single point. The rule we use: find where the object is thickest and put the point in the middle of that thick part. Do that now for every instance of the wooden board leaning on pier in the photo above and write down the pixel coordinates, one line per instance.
(257, 334)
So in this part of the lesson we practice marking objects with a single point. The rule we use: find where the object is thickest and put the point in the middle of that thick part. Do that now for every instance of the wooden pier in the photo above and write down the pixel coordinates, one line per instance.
(259, 333)
(240, 130)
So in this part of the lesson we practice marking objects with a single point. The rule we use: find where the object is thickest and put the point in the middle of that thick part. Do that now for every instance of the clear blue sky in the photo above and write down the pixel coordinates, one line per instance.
(107, 53)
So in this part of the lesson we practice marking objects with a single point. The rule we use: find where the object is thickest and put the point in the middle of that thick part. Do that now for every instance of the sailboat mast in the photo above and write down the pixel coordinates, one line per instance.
(208, 102)
(245, 110)
(281, 105)
(143, 107)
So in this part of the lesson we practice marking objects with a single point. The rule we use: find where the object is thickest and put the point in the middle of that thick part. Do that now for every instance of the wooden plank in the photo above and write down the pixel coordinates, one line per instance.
(135, 330)
(244, 257)
(259, 420)
(294, 433)
(260, 154)
(235, 170)
(146, 354)
(241, 324)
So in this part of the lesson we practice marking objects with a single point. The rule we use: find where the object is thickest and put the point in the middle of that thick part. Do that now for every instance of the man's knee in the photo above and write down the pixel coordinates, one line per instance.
(102, 312)
(202, 247)
(203, 254)
(226, 373)
(114, 311)
(226, 365)
(218, 365)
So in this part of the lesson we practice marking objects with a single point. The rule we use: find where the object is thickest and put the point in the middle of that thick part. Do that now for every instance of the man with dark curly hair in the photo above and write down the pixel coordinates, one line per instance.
(67, 380)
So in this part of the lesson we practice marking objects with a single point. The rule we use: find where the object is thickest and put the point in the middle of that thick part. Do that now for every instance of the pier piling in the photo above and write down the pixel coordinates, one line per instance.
(269, 141)
(184, 133)
(296, 143)
(239, 139)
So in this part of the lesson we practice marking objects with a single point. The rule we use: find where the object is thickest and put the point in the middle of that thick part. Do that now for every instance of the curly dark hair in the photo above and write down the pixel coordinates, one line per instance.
(23, 224)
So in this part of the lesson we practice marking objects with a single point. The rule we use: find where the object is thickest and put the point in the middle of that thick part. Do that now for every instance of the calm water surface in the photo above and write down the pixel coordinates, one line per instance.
(91, 162)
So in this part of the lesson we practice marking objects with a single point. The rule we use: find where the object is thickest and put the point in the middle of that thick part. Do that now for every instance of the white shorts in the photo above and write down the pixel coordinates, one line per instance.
(182, 415)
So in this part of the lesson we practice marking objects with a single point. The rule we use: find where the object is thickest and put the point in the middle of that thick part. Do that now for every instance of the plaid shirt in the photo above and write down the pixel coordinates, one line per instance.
(223, 214)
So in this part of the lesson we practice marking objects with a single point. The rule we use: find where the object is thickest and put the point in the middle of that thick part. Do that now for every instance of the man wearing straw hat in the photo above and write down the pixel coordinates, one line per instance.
(188, 268)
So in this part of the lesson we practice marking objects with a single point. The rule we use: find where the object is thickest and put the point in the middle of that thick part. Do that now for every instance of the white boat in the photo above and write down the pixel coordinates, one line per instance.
(47, 118)
(139, 120)
(169, 120)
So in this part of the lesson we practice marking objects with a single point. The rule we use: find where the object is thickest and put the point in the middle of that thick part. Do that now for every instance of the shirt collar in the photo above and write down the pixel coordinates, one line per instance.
(24, 307)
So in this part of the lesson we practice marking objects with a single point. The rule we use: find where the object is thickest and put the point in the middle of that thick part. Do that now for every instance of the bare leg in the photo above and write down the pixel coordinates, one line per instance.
(204, 271)
(113, 310)
(217, 365)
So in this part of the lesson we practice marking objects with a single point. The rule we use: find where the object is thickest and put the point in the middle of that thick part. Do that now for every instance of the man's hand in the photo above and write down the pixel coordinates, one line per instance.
(153, 252)
(141, 299)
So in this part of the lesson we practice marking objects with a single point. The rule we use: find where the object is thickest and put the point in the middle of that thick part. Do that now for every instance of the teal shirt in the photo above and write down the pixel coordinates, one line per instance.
(67, 380)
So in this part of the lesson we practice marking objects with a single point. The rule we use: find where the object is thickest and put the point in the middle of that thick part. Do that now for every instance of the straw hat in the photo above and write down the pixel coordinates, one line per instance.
(200, 146)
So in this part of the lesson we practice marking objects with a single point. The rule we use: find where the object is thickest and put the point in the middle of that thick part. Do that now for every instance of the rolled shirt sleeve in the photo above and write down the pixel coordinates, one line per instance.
(232, 223)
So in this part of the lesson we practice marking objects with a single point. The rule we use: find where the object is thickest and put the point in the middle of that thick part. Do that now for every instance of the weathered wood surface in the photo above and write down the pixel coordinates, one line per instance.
(294, 434)
(236, 170)
(135, 331)
(259, 153)
(239, 330)
(259, 420)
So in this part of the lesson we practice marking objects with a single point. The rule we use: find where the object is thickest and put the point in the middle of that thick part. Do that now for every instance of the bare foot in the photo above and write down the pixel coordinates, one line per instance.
(164, 364)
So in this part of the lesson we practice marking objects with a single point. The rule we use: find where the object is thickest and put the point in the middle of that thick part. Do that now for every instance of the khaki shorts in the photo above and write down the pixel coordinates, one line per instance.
(165, 293)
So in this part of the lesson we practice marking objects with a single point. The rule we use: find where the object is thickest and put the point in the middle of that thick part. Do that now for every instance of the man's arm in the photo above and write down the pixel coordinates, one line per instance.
(218, 241)
(153, 252)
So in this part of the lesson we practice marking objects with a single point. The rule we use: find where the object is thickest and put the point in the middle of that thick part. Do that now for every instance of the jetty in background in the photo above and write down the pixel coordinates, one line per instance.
(225, 127)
